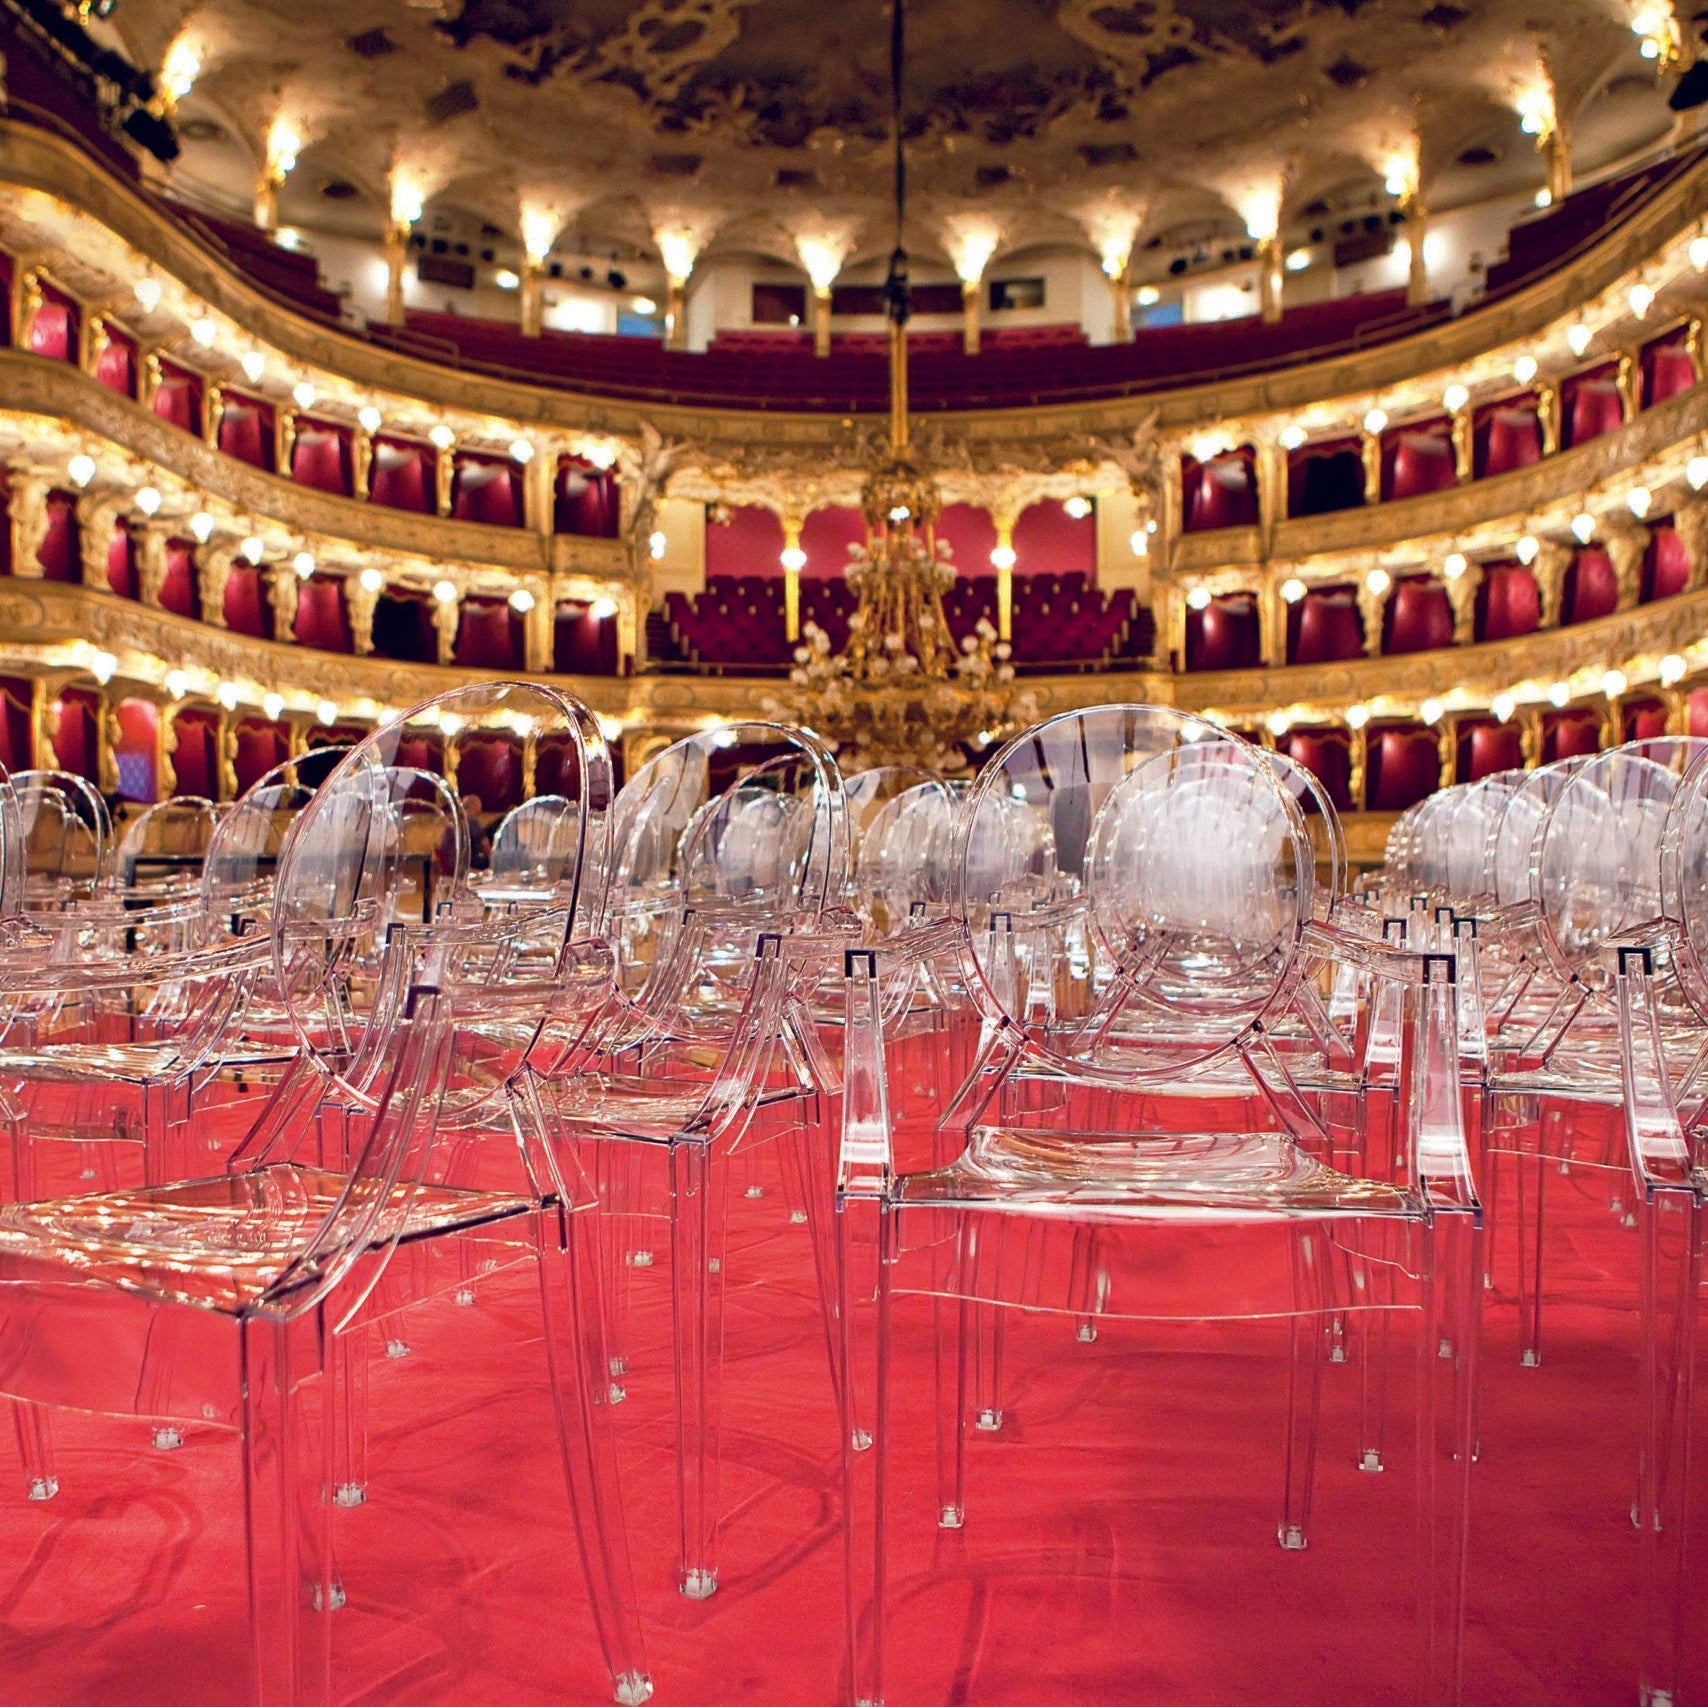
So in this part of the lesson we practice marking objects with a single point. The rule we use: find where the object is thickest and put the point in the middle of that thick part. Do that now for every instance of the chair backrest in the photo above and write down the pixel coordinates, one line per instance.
(67, 830)
(242, 859)
(904, 853)
(1305, 788)
(165, 847)
(1473, 836)
(535, 841)
(1684, 883)
(1520, 825)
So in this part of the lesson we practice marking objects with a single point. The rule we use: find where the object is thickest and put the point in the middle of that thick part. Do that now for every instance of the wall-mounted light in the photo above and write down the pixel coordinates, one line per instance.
(1638, 500)
(147, 292)
(522, 451)
(792, 557)
(148, 500)
(1583, 527)
(303, 564)
(1003, 557)
(1377, 582)
(81, 469)
(440, 436)
(1357, 716)
(1524, 369)
(103, 666)
(1613, 683)
(1527, 549)
(254, 548)
(1672, 670)
(303, 394)
(445, 592)
(368, 418)
(254, 364)
(1503, 705)
(657, 544)
(1199, 598)
(521, 601)
(1292, 589)
(1078, 507)
(202, 526)
(604, 608)
(1560, 694)
(371, 581)
(1579, 337)
(1454, 398)
(1375, 420)
(204, 331)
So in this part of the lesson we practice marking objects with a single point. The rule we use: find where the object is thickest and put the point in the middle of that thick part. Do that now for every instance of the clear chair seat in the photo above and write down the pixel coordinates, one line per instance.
(128, 1063)
(655, 1111)
(1216, 1175)
(220, 1243)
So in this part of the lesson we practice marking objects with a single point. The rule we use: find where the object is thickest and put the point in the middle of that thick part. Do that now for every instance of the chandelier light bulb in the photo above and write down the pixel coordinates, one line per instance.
(1559, 694)
(1524, 369)
(1579, 337)
(204, 331)
(603, 609)
(1583, 527)
(445, 592)
(1003, 557)
(147, 292)
(254, 364)
(148, 500)
(1292, 589)
(1375, 420)
(371, 581)
(1357, 716)
(1503, 705)
(273, 704)
(81, 468)
(1527, 549)
(368, 418)
(254, 548)
(202, 526)
(1454, 398)
(1078, 507)
(1638, 500)
(1672, 670)
(441, 437)
(1199, 598)
(522, 601)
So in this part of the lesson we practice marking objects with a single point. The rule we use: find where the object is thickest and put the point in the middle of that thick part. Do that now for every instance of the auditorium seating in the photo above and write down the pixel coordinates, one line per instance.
(116, 366)
(1667, 368)
(1402, 764)
(320, 457)
(53, 328)
(1508, 602)
(281, 272)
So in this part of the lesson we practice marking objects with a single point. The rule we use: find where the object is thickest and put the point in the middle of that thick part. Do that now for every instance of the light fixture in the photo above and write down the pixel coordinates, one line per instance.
(1357, 716)
(1139, 542)
(1375, 420)
(303, 563)
(1147, 296)
(177, 683)
(1003, 557)
(1638, 500)
(1559, 694)
(1297, 260)
(1613, 683)
(1583, 527)
(445, 592)
(368, 418)
(522, 450)
(1199, 598)
(602, 454)
(147, 293)
(656, 544)
(1430, 711)
(303, 394)
(900, 513)
(507, 278)
(643, 306)
(227, 695)
(103, 666)
(81, 468)
(521, 601)
(603, 608)
(1278, 723)
(1454, 398)
(1292, 589)
(1672, 669)
(1699, 253)
(440, 436)
(254, 548)
(254, 364)
(1579, 337)
(273, 704)
(610, 727)
(1455, 565)
(1527, 549)
(1377, 582)
(794, 558)
(1078, 507)
(327, 712)
(1503, 705)
(1641, 297)
(204, 331)
(202, 526)
(1524, 369)
(1292, 436)
(148, 500)
(1696, 472)
(371, 581)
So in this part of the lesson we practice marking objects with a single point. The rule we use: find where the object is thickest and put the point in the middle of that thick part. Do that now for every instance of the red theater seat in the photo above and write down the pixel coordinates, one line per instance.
(1667, 371)
(178, 399)
(1402, 766)
(1570, 734)
(401, 476)
(1327, 755)
(1508, 602)
(246, 431)
(1324, 627)
(1417, 460)
(1506, 436)
(487, 491)
(1419, 616)
(260, 746)
(1646, 720)
(1666, 564)
(195, 754)
(1591, 587)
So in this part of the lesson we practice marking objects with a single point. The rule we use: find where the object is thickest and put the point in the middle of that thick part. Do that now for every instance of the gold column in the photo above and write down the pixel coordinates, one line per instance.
(151, 566)
(444, 477)
(447, 616)
(1549, 571)
(1269, 276)
(1464, 444)
(396, 254)
(676, 314)
(821, 320)
(1358, 753)
(1557, 149)
(1370, 446)
(1626, 546)
(970, 316)
(1272, 620)
(1548, 415)
(1417, 271)
(1693, 344)
(1003, 561)
(27, 505)
(1447, 750)
(537, 628)
(213, 570)
(266, 199)
(361, 461)
(282, 588)
(539, 499)
(1462, 596)
(1630, 393)
(106, 741)
(1372, 607)
(792, 578)
(359, 606)
(1122, 292)
(533, 297)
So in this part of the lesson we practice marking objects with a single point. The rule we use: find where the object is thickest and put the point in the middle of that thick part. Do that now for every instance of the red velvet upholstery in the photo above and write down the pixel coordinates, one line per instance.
(970, 534)
(321, 620)
(178, 592)
(490, 768)
(1591, 588)
(1418, 459)
(52, 331)
(1666, 564)
(1418, 617)
(401, 476)
(1508, 602)
(489, 636)
(1220, 493)
(1696, 713)
(1325, 477)
(1324, 627)
(738, 620)
(827, 535)
(1590, 405)
(320, 457)
(246, 431)
(121, 563)
(1402, 765)
(1327, 755)
(1485, 746)
(195, 757)
(403, 628)
(1224, 635)
(246, 608)
(587, 500)
(1566, 734)
(75, 720)
(486, 489)
(135, 745)
(58, 553)
(1048, 541)
(582, 643)
(422, 753)
(1643, 720)
(260, 746)
(178, 398)
(1058, 619)
(970, 600)
(1506, 435)
(115, 367)
(1667, 370)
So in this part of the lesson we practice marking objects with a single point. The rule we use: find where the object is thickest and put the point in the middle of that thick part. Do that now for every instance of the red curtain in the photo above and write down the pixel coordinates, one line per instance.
(583, 644)
(115, 367)
(1506, 435)
(1667, 370)
(1224, 635)
(1419, 617)
(421, 753)
(320, 458)
(246, 431)
(134, 751)
(246, 607)
(1402, 766)
(487, 490)
(74, 728)
(260, 746)
(1590, 405)
(586, 500)
(121, 562)
(490, 767)
(178, 592)
(489, 636)
(178, 398)
(1508, 602)
(1666, 564)
(1567, 734)
(825, 539)
(1644, 720)
(1324, 627)
(1324, 477)
(321, 619)
(59, 551)
(52, 331)
(1591, 589)
(1327, 755)
(401, 476)
(17, 738)
(195, 762)
(1220, 493)
(1696, 713)
(1484, 748)
(1048, 541)
(1418, 459)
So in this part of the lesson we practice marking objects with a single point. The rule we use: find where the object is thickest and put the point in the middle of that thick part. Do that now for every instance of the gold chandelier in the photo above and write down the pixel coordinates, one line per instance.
(901, 691)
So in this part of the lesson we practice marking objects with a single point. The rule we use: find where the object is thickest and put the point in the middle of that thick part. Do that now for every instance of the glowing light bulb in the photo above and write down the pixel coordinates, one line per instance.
(1696, 472)
(1454, 398)
(148, 500)
(1292, 436)
(1527, 549)
(1199, 598)
(441, 437)
(445, 592)
(147, 292)
(303, 394)
(1559, 694)
(177, 683)
(327, 712)
(1078, 507)
(792, 557)
(1148, 296)
(1579, 337)
(1375, 420)
(1430, 711)
(1672, 669)
(202, 526)
(1503, 705)
(522, 451)
(254, 364)
(1638, 500)
(1641, 297)
(1357, 716)
(1699, 253)
(371, 581)
(368, 418)
(1278, 723)
(1139, 543)
(1378, 581)
(254, 548)
(204, 331)
(1613, 683)
(81, 468)
(1292, 589)
(1583, 527)
(1455, 565)
(227, 695)
(1003, 557)
(522, 601)
(603, 609)
(303, 564)
(657, 544)
(1524, 369)
(273, 704)
(103, 666)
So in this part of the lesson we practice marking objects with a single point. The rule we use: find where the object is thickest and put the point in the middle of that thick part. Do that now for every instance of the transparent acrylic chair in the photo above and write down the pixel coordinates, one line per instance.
(161, 851)
(531, 847)
(222, 1299)
(67, 835)
(729, 862)
(1195, 871)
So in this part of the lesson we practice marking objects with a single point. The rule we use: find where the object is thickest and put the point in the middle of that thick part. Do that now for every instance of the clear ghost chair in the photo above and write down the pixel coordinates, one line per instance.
(67, 835)
(224, 1298)
(531, 847)
(1196, 873)
(729, 862)
(160, 853)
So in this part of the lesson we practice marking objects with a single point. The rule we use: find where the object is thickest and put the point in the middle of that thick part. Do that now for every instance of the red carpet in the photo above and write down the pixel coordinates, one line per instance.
(1119, 1544)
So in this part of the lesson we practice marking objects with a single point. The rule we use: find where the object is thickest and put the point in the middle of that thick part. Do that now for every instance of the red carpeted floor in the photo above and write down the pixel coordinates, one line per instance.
(1119, 1544)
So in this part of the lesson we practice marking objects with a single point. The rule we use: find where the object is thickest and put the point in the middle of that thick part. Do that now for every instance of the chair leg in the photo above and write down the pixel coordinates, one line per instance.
(1308, 1327)
(952, 1321)
(35, 1448)
(1671, 1257)
(291, 1589)
(990, 1341)
(1449, 1347)
(1529, 1235)
(697, 1291)
(569, 1264)
(864, 1248)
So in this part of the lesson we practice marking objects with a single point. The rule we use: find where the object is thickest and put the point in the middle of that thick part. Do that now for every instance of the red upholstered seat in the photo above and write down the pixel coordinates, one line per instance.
(401, 476)
(1487, 747)
(1667, 371)
(246, 431)
(52, 331)
(246, 607)
(587, 501)
(1324, 627)
(178, 399)
(115, 367)
(321, 620)
(1590, 405)
(59, 552)
(1402, 765)
(1327, 755)
(1419, 617)
(320, 458)
(1417, 460)
(1508, 602)
(1591, 587)
(487, 491)
(1666, 564)
(178, 592)
(1224, 635)
(1220, 493)
(121, 563)
(1506, 436)
(489, 636)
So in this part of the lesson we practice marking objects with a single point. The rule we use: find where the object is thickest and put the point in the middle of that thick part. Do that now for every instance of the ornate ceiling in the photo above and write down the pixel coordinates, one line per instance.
(754, 123)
